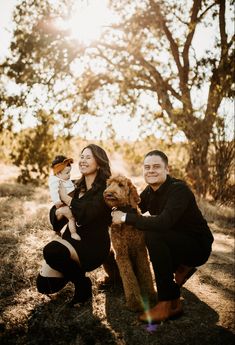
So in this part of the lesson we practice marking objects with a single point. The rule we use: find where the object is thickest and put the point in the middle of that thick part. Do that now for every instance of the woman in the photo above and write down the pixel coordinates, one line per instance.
(65, 258)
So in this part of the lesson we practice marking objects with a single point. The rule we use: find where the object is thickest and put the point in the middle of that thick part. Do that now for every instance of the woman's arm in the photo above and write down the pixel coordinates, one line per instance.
(57, 222)
(88, 209)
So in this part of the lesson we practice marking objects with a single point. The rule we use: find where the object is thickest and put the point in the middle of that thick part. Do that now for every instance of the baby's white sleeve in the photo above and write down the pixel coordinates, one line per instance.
(53, 183)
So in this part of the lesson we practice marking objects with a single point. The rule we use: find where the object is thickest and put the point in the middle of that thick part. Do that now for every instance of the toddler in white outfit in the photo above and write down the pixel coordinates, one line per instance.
(61, 167)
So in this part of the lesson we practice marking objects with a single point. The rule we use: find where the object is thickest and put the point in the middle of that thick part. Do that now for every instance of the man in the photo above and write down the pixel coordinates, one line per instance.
(177, 236)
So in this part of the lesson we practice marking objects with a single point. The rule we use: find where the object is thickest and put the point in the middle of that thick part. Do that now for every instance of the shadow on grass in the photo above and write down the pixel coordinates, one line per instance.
(57, 323)
(10, 279)
(197, 326)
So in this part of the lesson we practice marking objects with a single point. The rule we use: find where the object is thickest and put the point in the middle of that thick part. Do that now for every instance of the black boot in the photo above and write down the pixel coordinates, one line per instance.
(83, 291)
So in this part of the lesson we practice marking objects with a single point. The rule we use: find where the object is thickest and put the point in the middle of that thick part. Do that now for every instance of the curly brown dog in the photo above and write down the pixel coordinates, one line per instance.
(129, 246)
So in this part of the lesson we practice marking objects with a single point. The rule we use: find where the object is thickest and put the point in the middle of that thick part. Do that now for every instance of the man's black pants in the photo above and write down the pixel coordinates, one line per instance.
(169, 250)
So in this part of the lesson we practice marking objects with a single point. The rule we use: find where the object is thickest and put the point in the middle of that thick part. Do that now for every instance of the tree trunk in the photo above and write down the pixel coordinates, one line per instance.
(197, 167)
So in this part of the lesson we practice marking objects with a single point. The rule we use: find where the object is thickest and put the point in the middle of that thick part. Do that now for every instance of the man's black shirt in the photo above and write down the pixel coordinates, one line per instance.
(172, 208)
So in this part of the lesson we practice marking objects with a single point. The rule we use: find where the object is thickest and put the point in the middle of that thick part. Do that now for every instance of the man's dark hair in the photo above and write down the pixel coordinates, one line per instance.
(158, 153)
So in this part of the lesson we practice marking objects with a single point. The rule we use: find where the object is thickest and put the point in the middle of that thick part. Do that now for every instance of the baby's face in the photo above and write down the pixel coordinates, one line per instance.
(65, 173)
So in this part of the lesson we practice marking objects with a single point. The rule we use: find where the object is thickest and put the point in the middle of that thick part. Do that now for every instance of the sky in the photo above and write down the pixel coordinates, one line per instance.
(6, 7)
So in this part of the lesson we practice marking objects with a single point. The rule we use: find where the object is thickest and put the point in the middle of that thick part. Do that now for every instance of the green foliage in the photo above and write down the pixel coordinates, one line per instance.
(33, 151)
(6, 143)
(133, 154)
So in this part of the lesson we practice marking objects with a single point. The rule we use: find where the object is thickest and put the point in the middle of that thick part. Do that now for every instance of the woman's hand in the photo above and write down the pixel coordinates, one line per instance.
(63, 195)
(117, 217)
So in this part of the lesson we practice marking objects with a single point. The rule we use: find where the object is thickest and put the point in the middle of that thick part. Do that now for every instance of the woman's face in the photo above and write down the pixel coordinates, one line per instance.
(87, 163)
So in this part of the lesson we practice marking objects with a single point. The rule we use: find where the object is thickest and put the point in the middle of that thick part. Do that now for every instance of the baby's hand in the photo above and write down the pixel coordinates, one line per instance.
(63, 211)
(59, 204)
(76, 237)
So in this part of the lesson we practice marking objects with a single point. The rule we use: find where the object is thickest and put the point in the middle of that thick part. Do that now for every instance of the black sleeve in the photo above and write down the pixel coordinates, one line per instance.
(142, 205)
(89, 210)
(178, 199)
(56, 224)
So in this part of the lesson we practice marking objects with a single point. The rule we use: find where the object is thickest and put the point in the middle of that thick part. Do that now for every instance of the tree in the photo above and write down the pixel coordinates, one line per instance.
(33, 149)
(222, 164)
(148, 51)
(156, 27)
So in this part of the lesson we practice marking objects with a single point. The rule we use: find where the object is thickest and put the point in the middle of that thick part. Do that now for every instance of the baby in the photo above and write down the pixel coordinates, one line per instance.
(61, 167)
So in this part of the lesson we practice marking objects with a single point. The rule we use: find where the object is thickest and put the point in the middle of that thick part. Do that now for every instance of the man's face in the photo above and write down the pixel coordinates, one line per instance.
(155, 171)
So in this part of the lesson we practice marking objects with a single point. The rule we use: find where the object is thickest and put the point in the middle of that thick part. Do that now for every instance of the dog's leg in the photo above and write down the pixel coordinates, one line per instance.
(145, 277)
(130, 284)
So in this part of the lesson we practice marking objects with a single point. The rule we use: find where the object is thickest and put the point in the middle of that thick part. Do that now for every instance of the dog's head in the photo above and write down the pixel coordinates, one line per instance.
(121, 192)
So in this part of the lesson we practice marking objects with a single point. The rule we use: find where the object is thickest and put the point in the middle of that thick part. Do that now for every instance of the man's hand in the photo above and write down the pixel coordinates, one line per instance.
(117, 215)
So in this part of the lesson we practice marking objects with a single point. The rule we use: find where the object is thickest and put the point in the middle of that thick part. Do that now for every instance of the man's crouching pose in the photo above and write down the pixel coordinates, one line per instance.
(177, 236)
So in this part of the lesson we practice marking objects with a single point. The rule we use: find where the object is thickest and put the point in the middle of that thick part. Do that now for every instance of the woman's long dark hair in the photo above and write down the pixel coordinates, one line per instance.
(102, 160)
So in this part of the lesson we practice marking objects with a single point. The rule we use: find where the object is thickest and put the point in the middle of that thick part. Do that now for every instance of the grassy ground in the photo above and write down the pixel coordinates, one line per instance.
(29, 318)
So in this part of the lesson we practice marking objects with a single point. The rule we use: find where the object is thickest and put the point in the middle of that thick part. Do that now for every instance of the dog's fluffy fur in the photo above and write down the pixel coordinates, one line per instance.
(129, 246)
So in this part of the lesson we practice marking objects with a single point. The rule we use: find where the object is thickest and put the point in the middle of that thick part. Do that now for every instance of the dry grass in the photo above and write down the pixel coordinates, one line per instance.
(217, 213)
(29, 318)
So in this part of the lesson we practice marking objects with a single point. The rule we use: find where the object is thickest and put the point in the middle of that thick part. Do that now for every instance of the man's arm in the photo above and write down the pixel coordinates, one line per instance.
(178, 200)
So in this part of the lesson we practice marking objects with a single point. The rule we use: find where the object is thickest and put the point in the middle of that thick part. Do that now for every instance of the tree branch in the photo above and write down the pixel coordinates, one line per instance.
(173, 44)
(223, 34)
(192, 27)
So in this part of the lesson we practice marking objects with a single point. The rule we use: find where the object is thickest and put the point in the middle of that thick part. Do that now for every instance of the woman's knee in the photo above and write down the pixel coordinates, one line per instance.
(55, 251)
(48, 285)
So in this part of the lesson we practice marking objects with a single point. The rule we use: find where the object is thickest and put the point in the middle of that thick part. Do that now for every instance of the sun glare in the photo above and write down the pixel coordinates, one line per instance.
(88, 19)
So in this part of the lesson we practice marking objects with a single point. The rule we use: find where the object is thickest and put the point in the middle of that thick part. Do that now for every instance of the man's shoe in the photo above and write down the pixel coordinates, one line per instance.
(83, 292)
(176, 308)
(183, 273)
(163, 311)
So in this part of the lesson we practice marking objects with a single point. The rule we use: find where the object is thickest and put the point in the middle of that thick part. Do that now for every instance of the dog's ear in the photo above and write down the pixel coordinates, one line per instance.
(134, 198)
(108, 181)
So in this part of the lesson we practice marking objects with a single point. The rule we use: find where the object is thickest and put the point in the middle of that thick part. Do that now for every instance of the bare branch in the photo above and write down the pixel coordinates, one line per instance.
(206, 10)
(192, 27)
(223, 34)
(173, 44)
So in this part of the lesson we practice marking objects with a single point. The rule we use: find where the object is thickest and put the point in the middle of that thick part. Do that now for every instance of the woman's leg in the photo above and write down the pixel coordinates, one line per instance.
(58, 257)
(49, 285)
(73, 253)
(47, 271)
(49, 280)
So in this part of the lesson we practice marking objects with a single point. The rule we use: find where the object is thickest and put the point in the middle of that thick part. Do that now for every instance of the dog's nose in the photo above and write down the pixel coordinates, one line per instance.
(108, 194)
